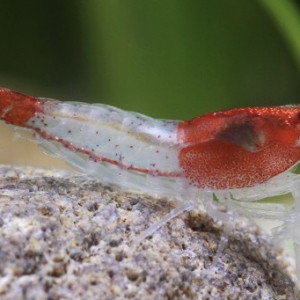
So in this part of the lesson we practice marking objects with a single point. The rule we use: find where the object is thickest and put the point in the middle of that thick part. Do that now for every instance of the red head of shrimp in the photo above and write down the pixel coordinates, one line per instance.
(240, 147)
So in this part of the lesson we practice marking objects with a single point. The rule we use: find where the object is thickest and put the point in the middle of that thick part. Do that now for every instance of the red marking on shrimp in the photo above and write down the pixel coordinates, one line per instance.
(240, 147)
(16, 108)
(222, 165)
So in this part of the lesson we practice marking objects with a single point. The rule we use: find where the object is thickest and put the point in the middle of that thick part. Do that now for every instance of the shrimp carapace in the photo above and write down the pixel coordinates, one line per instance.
(240, 147)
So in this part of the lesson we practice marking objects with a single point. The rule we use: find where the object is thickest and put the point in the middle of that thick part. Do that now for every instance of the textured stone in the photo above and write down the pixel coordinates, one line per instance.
(68, 237)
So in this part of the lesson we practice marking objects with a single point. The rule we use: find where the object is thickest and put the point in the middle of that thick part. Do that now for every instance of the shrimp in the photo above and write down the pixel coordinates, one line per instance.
(238, 156)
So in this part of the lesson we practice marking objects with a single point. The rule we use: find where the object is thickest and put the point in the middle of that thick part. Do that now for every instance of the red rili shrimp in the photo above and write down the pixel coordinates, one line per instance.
(242, 154)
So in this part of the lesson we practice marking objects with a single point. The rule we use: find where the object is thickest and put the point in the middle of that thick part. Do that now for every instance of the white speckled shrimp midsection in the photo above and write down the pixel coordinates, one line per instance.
(103, 139)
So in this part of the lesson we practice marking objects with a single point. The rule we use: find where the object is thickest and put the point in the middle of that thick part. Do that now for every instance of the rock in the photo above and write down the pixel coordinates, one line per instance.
(65, 236)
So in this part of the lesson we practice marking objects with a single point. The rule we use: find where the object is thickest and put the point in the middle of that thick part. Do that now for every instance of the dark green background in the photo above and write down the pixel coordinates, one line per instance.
(165, 58)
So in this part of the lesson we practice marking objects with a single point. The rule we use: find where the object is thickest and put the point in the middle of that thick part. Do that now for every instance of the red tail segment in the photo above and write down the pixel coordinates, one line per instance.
(16, 108)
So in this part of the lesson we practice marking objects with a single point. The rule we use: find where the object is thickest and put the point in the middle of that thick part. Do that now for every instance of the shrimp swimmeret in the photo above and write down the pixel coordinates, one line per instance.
(241, 154)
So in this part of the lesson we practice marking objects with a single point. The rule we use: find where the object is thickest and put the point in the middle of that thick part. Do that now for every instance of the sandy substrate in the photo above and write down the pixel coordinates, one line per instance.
(68, 237)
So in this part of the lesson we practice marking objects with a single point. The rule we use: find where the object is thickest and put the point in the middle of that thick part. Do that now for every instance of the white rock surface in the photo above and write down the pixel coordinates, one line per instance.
(67, 237)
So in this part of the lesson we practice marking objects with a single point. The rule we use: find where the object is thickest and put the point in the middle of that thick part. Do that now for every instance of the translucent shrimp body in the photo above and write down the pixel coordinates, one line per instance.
(126, 149)
(122, 148)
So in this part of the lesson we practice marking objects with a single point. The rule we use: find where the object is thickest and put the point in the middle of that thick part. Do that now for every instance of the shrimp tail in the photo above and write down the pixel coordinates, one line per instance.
(16, 108)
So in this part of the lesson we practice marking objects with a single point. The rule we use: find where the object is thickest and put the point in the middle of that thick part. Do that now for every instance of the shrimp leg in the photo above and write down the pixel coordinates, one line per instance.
(186, 206)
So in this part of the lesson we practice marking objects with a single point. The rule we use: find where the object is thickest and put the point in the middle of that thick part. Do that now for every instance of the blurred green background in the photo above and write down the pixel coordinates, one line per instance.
(164, 58)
